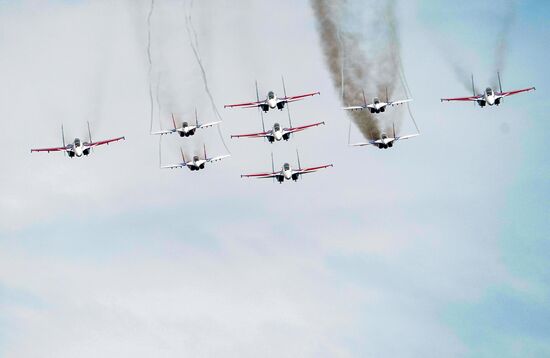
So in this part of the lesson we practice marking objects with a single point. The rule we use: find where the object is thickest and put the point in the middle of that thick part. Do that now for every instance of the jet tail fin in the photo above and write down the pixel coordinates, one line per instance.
(196, 118)
(89, 133)
(63, 135)
(259, 108)
(174, 121)
(298, 157)
(63, 138)
(272, 166)
(473, 89)
(287, 104)
(499, 83)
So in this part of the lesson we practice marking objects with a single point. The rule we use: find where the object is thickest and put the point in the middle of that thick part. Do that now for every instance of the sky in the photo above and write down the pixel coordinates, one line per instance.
(436, 247)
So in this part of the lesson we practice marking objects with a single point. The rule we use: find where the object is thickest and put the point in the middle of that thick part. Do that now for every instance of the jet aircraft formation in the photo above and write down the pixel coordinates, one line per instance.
(277, 133)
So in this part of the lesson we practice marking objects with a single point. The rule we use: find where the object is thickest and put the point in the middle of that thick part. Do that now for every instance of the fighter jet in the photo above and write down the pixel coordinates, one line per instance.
(77, 148)
(286, 172)
(186, 129)
(377, 106)
(489, 96)
(384, 141)
(196, 163)
(277, 133)
(271, 101)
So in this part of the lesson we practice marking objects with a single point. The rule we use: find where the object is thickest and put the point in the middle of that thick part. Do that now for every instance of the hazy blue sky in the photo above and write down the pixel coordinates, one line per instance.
(436, 247)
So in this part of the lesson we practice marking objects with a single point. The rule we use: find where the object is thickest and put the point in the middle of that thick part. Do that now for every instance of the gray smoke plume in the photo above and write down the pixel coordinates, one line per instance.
(460, 71)
(353, 66)
(457, 62)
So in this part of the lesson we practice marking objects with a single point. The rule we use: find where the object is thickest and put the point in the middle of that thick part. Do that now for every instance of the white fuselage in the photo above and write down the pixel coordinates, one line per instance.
(384, 141)
(287, 172)
(78, 148)
(490, 97)
(196, 164)
(377, 104)
(187, 129)
(277, 132)
(272, 100)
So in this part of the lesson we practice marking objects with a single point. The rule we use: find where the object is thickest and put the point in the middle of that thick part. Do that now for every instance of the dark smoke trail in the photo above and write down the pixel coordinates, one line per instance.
(351, 66)
(149, 15)
(334, 42)
(193, 41)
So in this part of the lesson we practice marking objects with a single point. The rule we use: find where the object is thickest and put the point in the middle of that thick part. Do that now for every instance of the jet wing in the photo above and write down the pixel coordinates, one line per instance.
(206, 125)
(354, 108)
(56, 149)
(261, 175)
(361, 144)
(297, 98)
(510, 93)
(245, 105)
(174, 166)
(301, 128)
(168, 131)
(312, 169)
(102, 142)
(407, 136)
(360, 108)
(472, 98)
(252, 135)
(215, 159)
(396, 103)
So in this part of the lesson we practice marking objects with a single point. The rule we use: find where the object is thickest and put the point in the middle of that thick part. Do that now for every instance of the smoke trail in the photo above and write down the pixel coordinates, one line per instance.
(149, 58)
(159, 108)
(402, 77)
(352, 66)
(501, 48)
(335, 43)
(454, 61)
(457, 63)
(193, 41)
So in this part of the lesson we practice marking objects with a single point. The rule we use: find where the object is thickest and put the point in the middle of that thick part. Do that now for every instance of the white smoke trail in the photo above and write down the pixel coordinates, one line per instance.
(193, 41)
(159, 108)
